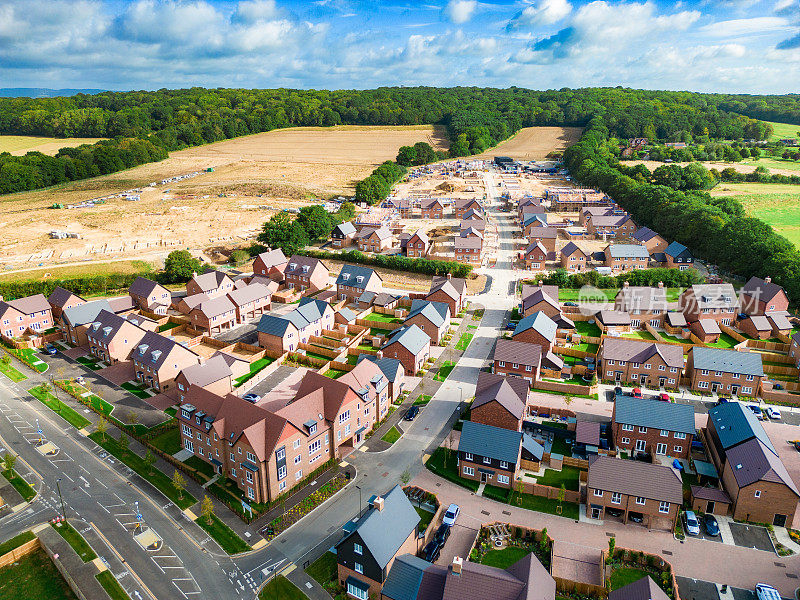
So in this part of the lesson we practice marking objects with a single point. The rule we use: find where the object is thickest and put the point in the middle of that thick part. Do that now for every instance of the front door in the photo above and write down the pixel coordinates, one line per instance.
(714, 387)
(661, 449)
(734, 390)
(595, 512)
(618, 376)
(483, 478)
(779, 520)
(662, 381)
(710, 507)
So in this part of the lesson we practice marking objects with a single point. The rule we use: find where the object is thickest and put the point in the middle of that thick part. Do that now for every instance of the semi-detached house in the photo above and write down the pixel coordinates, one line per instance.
(432, 317)
(645, 304)
(113, 338)
(271, 264)
(304, 273)
(151, 296)
(354, 280)
(651, 426)
(250, 301)
(214, 316)
(157, 360)
(285, 333)
(59, 299)
(711, 301)
(213, 284)
(724, 371)
(30, 313)
(640, 362)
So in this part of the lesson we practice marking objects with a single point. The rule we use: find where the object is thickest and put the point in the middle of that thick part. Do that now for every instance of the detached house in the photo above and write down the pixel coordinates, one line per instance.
(151, 296)
(432, 317)
(573, 258)
(535, 257)
(76, 319)
(468, 249)
(724, 371)
(59, 299)
(157, 360)
(542, 298)
(271, 264)
(517, 358)
(462, 206)
(343, 235)
(500, 401)
(641, 362)
(112, 338)
(214, 316)
(30, 313)
(532, 222)
(304, 273)
(432, 208)
(488, 454)
(450, 290)
(761, 297)
(645, 304)
(714, 301)
(650, 240)
(536, 328)
(370, 543)
(374, 240)
(418, 244)
(546, 235)
(678, 257)
(213, 284)
(392, 370)
(214, 375)
(285, 333)
(610, 226)
(647, 425)
(354, 280)
(626, 257)
(410, 345)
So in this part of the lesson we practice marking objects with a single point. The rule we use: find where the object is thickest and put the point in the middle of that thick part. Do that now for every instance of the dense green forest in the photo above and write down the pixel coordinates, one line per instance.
(144, 125)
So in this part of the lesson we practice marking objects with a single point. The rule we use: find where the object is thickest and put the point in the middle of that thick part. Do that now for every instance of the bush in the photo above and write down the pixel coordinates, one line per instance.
(398, 263)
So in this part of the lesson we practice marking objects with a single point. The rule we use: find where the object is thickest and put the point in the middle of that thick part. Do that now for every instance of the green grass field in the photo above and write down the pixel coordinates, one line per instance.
(111, 586)
(573, 295)
(65, 412)
(34, 577)
(168, 441)
(323, 570)
(11, 372)
(381, 318)
(640, 335)
(392, 435)
(586, 328)
(569, 476)
(783, 130)
(776, 204)
(16, 542)
(774, 162)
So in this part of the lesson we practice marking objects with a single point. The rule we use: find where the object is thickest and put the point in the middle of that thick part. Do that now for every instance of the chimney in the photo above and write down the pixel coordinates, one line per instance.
(541, 283)
(194, 274)
(380, 354)
(626, 284)
(457, 564)
(449, 275)
(378, 503)
(660, 284)
(767, 279)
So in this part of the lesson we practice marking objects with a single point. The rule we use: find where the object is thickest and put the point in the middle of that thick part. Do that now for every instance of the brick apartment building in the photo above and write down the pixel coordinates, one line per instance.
(651, 426)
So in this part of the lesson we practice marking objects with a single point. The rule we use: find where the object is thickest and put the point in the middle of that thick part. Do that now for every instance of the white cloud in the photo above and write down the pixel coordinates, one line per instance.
(739, 27)
(460, 11)
(542, 12)
(255, 10)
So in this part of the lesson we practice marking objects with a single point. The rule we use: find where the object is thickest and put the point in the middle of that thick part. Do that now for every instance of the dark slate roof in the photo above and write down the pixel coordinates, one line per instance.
(728, 361)
(410, 337)
(735, 423)
(644, 234)
(390, 367)
(509, 391)
(59, 296)
(489, 441)
(645, 412)
(106, 326)
(714, 295)
(659, 257)
(676, 249)
(526, 579)
(533, 447)
(761, 290)
(452, 286)
(521, 353)
(350, 273)
(384, 531)
(627, 251)
(752, 461)
(406, 576)
(635, 478)
(303, 261)
(85, 313)
(710, 493)
(631, 350)
(273, 325)
(435, 312)
(539, 322)
(641, 589)
(533, 294)
(571, 248)
(154, 348)
(142, 286)
(587, 432)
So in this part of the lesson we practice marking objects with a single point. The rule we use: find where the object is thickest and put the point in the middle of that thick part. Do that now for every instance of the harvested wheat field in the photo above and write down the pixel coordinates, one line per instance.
(535, 143)
(252, 177)
(19, 145)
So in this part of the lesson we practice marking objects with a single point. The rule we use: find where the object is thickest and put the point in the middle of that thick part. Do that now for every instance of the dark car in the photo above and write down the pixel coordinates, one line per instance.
(722, 400)
(50, 349)
(635, 517)
(441, 535)
(431, 551)
(797, 445)
(412, 413)
(618, 391)
(570, 304)
(710, 525)
(614, 512)
(511, 326)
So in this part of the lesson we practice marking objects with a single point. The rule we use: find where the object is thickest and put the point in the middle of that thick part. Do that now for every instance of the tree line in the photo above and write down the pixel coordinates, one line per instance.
(672, 278)
(475, 119)
(715, 229)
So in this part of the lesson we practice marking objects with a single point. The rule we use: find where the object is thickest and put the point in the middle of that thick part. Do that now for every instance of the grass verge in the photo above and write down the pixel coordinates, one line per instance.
(75, 539)
(67, 413)
(11, 372)
(280, 588)
(23, 487)
(444, 370)
(112, 586)
(223, 535)
(16, 542)
(463, 341)
(323, 570)
(425, 516)
(392, 435)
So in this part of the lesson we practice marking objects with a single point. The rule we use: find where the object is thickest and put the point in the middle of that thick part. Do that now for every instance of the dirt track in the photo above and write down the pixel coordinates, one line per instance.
(534, 143)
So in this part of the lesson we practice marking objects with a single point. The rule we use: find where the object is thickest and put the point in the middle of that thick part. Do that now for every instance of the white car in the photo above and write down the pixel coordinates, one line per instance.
(692, 525)
(773, 413)
(450, 515)
(766, 592)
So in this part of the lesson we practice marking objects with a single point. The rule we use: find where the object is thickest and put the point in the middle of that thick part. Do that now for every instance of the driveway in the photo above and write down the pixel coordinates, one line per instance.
(751, 536)
(458, 544)
(696, 589)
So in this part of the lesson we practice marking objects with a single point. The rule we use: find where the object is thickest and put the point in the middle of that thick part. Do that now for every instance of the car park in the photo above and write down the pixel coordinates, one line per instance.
(412, 413)
(431, 551)
(451, 514)
(441, 535)
(710, 525)
(690, 523)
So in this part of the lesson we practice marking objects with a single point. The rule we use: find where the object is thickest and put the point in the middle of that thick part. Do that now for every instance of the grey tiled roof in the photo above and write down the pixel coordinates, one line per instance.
(735, 423)
(405, 578)
(248, 293)
(30, 304)
(346, 228)
(676, 249)
(154, 348)
(714, 295)
(435, 312)
(142, 286)
(644, 298)
(645, 412)
(539, 322)
(411, 337)
(627, 251)
(85, 313)
(350, 273)
(644, 234)
(629, 350)
(728, 361)
(390, 367)
(214, 369)
(509, 391)
(105, 326)
(488, 441)
(571, 248)
(274, 325)
(210, 281)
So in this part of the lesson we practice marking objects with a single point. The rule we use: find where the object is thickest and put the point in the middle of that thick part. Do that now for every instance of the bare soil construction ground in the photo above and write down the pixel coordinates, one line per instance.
(535, 143)
(253, 177)
(19, 145)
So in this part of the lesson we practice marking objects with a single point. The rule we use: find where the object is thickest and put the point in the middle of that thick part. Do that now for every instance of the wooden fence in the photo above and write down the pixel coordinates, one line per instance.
(575, 353)
(567, 586)
(261, 375)
(378, 324)
(15, 554)
(732, 332)
(33, 342)
(546, 491)
(768, 346)
(324, 351)
(643, 559)
(546, 410)
(341, 366)
(566, 388)
(781, 370)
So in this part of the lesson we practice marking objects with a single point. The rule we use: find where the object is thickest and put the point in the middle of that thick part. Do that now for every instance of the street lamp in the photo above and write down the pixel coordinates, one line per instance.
(358, 487)
(58, 487)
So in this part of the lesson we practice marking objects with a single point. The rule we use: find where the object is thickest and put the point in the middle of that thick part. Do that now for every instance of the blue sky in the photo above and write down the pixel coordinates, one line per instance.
(706, 45)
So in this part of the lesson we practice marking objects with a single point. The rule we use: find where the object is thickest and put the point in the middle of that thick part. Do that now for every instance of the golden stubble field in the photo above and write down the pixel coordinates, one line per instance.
(19, 145)
(278, 169)
(535, 143)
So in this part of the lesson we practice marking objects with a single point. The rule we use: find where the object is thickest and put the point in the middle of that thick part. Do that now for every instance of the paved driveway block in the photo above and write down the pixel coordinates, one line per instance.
(751, 536)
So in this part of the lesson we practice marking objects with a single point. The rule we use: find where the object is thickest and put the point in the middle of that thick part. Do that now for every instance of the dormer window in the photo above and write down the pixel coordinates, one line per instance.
(359, 279)
(345, 276)
(156, 354)
(142, 349)
(305, 268)
(312, 430)
(293, 266)
(106, 331)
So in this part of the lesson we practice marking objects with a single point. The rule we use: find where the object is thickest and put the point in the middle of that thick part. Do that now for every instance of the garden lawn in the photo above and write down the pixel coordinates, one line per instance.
(16, 542)
(317, 356)
(425, 516)
(586, 328)
(167, 326)
(546, 505)
(436, 463)
(444, 370)
(158, 479)
(280, 588)
(422, 400)
(112, 586)
(392, 435)
(324, 569)
(255, 367)
(23, 487)
(590, 348)
(569, 476)
(34, 577)
(90, 363)
(201, 466)
(573, 295)
(560, 447)
(169, 441)
(624, 576)
(640, 335)
(11, 372)
(502, 559)
(464, 341)
(378, 331)
(724, 341)
(373, 316)
(65, 412)
(136, 390)
(334, 373)
(223, 535)
(75, 540)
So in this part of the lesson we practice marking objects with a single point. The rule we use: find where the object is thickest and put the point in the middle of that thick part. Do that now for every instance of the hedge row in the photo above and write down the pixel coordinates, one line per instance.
(397, 263)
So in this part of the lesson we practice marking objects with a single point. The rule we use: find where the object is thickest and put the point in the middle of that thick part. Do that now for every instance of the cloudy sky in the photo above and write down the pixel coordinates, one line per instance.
(705, 45)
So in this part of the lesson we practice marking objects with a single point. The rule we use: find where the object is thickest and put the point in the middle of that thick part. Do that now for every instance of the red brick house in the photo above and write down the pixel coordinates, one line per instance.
(354, 280)
(761, 296)
(651, 426)
(640, 362)
(468, 249)
(113, 338)
(724, 371)
(157, 360)
(536, 328)
(151, 296)
(304, 273)
(756, 326)
(59, 299)
(488, 454)
(610, 226)
(374, 240)
(546, 235)
(410, 345)
(573, 258)
(649, 239)
(432, 317)
(271, 263)
(214, 316)
(432, 208)
(535, 257)
(542, 298)
(714, 301)
(450, 290)
(188, 303)
(500, 401)
(626, 257)
(461, 206)
(418, 244)
(517, 358)
(32, 313)
(213, 284)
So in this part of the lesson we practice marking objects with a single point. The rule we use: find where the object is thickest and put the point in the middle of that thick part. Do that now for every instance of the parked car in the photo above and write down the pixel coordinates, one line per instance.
(796, 445)
(570, 304)
(637, 392)
(710, 525)
(636, 517)
(50, 349)
(664, 397)
(766, 592)
(773, 413)
(441, 535)
(80, 380)
(614, 512)
(618, 391)
(451, 514)
(722, 400)
(511, 326)
(251, 397)
(756, 409)
(431, 551)
(690, 522)
(412, 413)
